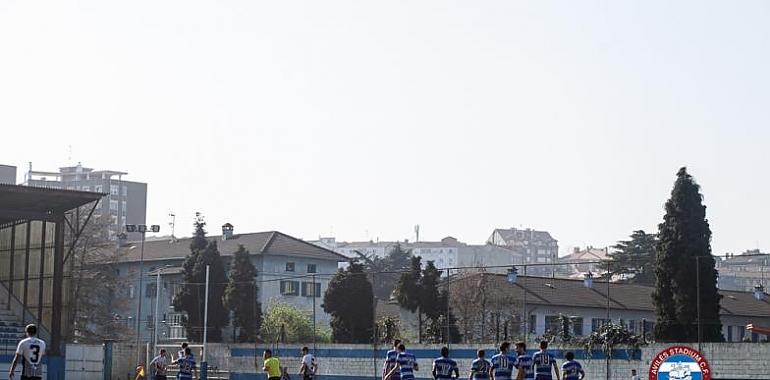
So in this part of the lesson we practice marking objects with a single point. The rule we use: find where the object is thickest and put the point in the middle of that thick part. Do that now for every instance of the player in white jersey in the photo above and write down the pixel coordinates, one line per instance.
(181, 354)
(30, 351)
(308, 367)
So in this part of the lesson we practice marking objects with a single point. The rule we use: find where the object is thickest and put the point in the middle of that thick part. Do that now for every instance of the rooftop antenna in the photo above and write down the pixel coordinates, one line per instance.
(417, 233)
(171, 224)
(69, 154)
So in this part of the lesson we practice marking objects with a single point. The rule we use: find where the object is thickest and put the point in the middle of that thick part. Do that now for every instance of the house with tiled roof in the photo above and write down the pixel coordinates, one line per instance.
(588, 303)
(581, 261)
(289, 270)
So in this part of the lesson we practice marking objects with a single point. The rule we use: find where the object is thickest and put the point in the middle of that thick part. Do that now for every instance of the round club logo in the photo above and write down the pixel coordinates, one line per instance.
(679, 363)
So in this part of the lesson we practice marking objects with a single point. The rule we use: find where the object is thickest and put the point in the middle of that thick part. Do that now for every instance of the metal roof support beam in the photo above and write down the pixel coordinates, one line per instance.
(77, 232)
(58, 285)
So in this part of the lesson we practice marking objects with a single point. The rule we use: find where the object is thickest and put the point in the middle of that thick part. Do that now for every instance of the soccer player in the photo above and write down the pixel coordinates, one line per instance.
(502, 363)
(443, 367)
(390, 362)
(544, 363)
(308, 367)
(272, 366)
(187, 369)
(571, 369)
(406, 364)
(30, 351)
(524, 370)
(634, 376)
(160, 363)
(180, 354)
(480, 367)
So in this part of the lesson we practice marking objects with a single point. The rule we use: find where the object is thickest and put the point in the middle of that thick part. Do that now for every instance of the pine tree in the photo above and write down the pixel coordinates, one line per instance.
(350, 324)
(396, 260)
(635, 258)
(684, 247)
(191, 299)
(240, 296)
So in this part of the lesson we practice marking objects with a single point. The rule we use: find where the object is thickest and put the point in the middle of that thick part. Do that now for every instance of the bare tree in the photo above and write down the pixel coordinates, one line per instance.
(95, 285)
(484, 312)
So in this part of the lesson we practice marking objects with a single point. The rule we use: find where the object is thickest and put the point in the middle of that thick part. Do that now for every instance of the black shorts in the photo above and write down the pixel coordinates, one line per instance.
(31, 377)
(160, 377)
(274, 378)
(307, 377)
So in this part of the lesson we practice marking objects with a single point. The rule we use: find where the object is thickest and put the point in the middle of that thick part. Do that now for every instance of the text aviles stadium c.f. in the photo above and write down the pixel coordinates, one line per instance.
(679, 363)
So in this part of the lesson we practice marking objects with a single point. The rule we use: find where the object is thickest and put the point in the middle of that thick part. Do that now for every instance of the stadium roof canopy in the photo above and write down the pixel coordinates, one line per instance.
(38, 203)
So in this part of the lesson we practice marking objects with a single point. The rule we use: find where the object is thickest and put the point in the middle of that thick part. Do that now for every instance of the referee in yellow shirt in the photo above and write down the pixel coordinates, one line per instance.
(272, 366)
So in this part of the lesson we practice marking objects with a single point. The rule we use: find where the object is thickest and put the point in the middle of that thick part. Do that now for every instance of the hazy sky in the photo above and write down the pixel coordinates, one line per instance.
(360, 119)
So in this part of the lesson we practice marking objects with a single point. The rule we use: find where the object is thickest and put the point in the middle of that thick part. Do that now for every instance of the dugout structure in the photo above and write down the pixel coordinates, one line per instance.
(39, 228)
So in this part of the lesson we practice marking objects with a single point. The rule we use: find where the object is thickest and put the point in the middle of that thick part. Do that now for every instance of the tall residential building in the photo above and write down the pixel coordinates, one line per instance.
(7, 174)
(536, 247)
(125, 202)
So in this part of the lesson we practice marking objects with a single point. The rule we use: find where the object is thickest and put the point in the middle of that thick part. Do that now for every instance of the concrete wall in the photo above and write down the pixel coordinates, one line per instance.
(729, 361)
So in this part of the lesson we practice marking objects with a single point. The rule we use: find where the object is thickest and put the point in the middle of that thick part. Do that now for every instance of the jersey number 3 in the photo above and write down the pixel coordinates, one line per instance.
(35, 353)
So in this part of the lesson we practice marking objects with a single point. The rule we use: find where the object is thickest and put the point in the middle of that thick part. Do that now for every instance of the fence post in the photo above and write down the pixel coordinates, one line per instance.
(107, 361)
(204, 371)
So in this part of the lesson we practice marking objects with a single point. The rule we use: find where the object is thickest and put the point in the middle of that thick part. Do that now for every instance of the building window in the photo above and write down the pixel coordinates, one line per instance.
(86, 188)
(532, 323)
(150, 291)
(113, 205)
(290, 288)
(311, 268)
(290, 267)
(114, 190)
(729, 333)
(131, 292)
(598, 323)
(150, 322)
(577, 326)
(125, 191)
(552, 323)
(310, 289)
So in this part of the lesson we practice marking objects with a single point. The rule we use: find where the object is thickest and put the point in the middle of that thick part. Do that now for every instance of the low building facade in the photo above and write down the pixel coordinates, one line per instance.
(289, 271)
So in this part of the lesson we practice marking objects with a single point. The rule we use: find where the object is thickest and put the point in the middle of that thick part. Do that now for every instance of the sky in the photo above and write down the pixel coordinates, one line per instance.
(361, 119)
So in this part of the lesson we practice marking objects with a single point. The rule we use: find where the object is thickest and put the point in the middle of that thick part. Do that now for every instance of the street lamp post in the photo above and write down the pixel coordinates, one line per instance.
(157, 308)
(142, 229)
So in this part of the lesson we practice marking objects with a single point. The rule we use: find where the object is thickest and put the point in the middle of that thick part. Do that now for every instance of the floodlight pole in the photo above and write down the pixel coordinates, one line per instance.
(157, 307)
(315, 345)
(142, 229)
(697, 285)
(139, 297)
(206, 315)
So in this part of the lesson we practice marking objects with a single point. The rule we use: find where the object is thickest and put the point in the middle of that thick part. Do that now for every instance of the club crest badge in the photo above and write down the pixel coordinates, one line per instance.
(679, 363)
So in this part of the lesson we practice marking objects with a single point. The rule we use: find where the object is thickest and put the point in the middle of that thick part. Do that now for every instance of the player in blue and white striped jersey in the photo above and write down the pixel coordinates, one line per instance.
(524, 370)
(406, 364)
(444, 367)
(544, 363)
(480, 367)
(390, 363)
(502, 363)
(571, 369)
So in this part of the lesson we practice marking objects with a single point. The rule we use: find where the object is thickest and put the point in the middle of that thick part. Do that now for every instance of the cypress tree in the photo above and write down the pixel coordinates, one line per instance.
(191, 299)
(240, 296)
(409, 292)
(684, 254)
